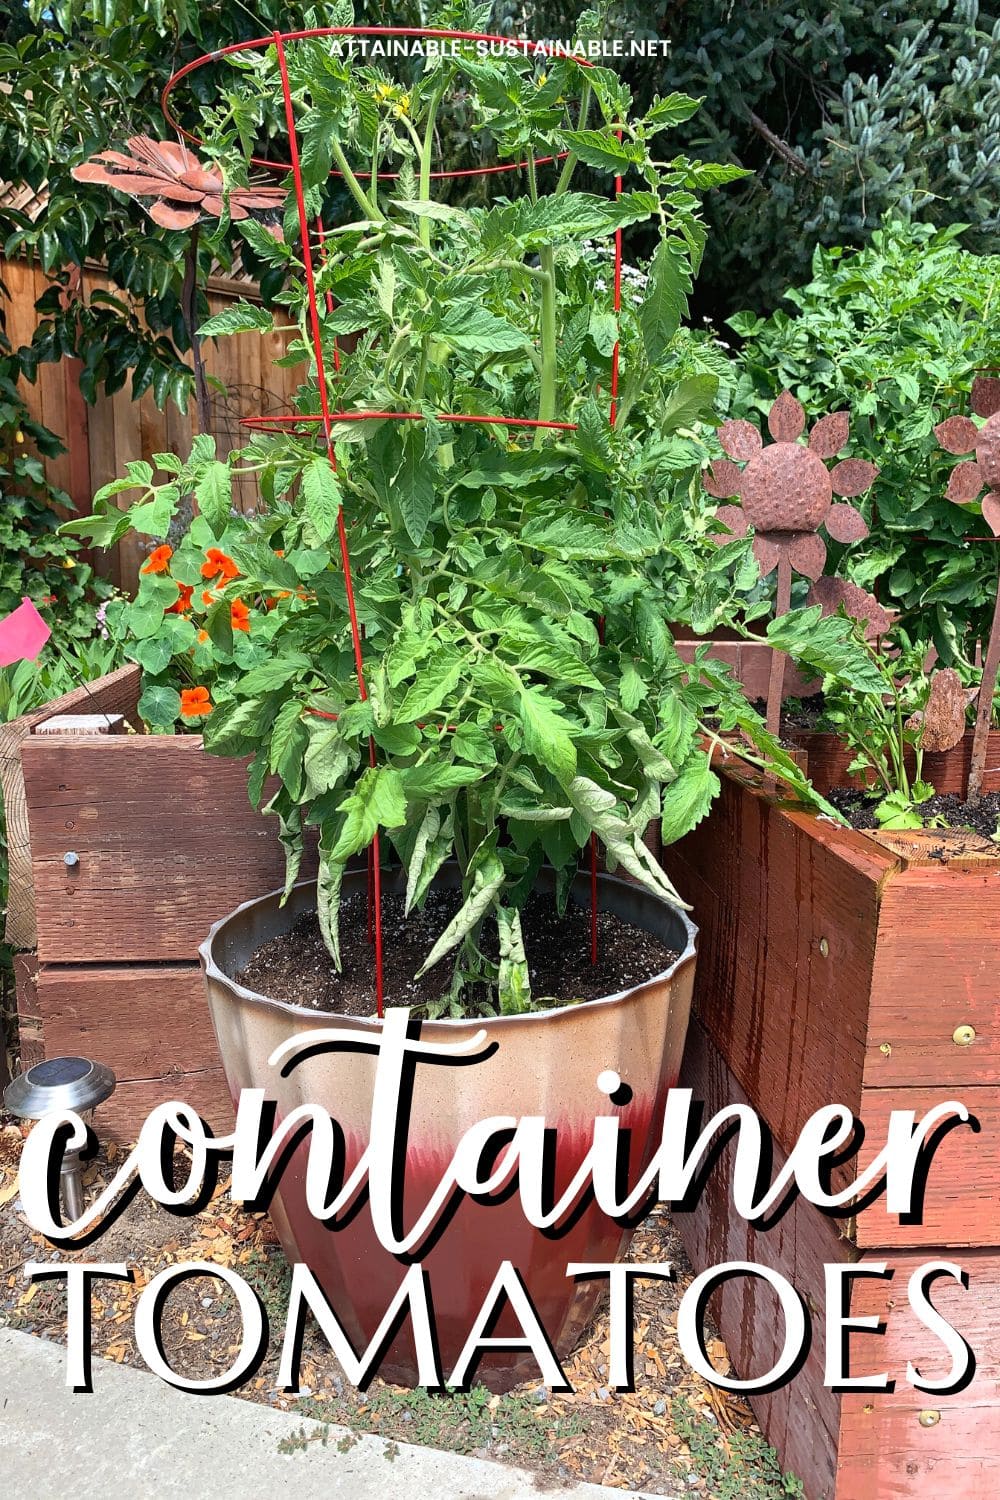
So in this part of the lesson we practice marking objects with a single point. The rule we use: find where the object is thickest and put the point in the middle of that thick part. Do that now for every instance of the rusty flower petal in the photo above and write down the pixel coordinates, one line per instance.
(172, 174)
(807, 554)
(722, 479)
(852, 476)
(96, 169)
(174, 218)
(740, 439)
(985, 395)
(991, 511)
(200, 179)
(845, 524)
(942, 722)
(831, 593)
(988, 452)
(766, 550)
(957, 434)
(964, 482)
(734, 517)
(264, 198)
(786, 420)
(830, 434)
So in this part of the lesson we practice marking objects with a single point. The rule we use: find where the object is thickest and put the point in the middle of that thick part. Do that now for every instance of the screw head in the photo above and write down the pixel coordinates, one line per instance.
(71, 859)
(929, 1418)
(824, 947)
(964, 1036)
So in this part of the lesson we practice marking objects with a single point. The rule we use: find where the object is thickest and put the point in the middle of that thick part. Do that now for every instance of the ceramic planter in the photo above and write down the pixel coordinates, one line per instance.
(545, 1063)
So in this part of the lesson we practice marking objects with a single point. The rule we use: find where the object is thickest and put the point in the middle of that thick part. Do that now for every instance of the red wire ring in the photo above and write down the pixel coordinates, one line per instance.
(416, 32)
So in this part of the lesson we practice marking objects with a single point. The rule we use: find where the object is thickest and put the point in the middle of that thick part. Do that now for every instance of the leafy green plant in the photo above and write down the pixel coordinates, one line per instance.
(513, 585)
(83, 75)
(34, 559)
(744, 1468)
(896, 333)
(845, 112)
(883, 699)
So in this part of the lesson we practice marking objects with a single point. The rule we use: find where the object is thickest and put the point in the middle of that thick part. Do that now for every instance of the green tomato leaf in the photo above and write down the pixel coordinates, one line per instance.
(321, 496)
(547, 735)
(437, 677)
(687, 799)
(377, 802)
(414, 484)
(213, 491)
(665, 302)
(241, 317)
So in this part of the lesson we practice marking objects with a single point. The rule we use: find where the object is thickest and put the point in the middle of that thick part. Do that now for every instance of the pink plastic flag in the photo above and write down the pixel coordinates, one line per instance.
(23, 633)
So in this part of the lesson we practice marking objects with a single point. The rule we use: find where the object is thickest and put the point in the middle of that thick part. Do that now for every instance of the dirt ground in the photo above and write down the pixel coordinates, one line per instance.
(676, 1434)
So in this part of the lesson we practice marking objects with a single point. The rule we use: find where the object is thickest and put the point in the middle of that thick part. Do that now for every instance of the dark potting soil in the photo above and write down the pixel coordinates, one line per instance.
(982, 816)
(803, 713)
(796, 714)
(297, 968)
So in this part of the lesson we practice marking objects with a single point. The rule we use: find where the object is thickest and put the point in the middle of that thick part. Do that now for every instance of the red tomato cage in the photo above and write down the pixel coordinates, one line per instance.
(327, 416)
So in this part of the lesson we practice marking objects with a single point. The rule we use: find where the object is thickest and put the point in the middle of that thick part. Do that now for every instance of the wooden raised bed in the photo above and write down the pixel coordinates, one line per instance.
(166, 843)
(948, 772)
(834, 971)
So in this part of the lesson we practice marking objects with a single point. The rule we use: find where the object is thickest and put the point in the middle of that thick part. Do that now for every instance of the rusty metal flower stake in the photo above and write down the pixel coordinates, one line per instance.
(183, 192)
(786, 493)
(182, 189)
(961, 435)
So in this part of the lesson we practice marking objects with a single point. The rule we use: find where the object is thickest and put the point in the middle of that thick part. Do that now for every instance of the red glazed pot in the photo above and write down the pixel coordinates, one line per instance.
(545, 1063)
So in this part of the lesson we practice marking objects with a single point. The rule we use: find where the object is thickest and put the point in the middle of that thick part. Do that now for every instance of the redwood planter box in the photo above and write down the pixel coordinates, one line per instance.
(828, 759)
(833, 970)
(166, 843)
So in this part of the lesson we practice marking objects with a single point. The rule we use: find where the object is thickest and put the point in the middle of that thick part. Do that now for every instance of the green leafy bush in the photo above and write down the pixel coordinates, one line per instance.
(896, 333)
(845, 112)
(35, 560)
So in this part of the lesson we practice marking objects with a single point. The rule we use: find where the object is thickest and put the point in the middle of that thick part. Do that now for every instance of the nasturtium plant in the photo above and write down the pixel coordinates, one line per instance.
(513, 584)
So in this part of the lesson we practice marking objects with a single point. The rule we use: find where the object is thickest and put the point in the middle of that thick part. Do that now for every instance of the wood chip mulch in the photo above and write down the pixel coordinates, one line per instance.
(676, 1435)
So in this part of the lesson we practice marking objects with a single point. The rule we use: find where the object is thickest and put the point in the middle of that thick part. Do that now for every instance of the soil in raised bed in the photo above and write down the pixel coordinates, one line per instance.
(982, 816)
(801, 713)
(297, 968)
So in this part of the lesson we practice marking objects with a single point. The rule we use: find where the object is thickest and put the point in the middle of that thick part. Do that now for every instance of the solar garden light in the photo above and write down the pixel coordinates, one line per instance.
(73, 1083)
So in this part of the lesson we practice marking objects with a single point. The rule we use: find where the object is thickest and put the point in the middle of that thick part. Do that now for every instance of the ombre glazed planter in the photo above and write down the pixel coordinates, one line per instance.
(544, 1063)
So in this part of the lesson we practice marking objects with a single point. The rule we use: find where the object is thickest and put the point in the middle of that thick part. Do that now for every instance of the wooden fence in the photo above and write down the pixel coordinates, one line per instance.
(99, 439)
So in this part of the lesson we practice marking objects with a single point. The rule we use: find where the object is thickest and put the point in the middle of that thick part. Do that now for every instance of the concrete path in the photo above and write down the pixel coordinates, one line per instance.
(135, 1437)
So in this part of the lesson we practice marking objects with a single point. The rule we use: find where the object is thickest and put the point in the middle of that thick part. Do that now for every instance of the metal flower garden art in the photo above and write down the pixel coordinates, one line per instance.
(960, 435)
(182, 189)
(786, 494)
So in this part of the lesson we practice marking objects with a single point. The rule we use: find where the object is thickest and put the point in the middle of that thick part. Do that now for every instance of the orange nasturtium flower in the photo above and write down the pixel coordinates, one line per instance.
(207, 597)
(219, 566)
(202, 637)
(182, 603)
(159, 560)
(195, 702)
(239, 615)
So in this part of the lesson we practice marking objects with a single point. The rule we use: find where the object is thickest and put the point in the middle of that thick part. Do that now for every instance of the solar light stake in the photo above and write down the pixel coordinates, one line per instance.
(61, 1083)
